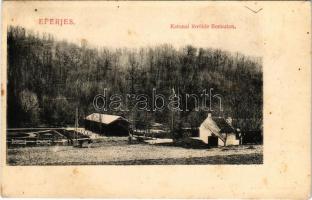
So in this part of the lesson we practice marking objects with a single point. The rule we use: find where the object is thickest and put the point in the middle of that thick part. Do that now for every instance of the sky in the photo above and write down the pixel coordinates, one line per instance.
(139, 24)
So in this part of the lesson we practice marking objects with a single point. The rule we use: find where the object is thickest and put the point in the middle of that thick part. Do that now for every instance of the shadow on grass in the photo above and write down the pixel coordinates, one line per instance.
(187, 143)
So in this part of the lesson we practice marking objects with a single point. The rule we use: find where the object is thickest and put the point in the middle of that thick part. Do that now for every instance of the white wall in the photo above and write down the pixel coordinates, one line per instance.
(204, 133)
(231, 140)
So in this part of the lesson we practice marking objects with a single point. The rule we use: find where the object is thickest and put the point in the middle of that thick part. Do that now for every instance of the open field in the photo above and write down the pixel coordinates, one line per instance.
(116, 151)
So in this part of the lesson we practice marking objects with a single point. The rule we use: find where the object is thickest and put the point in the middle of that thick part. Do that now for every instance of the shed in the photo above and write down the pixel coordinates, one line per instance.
(217, 131)
(108, 125)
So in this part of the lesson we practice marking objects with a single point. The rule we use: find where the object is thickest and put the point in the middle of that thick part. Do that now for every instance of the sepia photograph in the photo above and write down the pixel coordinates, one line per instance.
(76, 104)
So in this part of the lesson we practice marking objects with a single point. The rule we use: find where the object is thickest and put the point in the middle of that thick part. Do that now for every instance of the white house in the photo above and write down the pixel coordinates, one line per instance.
(216, 131)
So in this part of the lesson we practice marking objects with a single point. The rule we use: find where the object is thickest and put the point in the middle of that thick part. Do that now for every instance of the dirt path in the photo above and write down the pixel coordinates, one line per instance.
(120, 153)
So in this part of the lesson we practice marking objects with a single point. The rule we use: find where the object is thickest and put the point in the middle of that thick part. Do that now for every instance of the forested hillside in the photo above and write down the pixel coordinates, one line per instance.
(49, 79)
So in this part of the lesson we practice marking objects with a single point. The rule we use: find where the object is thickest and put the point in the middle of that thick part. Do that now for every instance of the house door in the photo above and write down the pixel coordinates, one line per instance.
(212, 141)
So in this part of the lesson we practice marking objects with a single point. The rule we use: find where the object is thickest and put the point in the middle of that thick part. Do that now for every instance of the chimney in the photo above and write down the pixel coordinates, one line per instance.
(209, 115)
(229, 120)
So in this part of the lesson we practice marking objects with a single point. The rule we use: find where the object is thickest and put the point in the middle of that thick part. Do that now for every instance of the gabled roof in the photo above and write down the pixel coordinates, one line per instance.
(223, 125)
(103, 118)
(155, 124)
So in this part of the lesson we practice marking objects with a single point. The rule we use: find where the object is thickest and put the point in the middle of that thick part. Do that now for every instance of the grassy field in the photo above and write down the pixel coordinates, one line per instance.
(116, 151)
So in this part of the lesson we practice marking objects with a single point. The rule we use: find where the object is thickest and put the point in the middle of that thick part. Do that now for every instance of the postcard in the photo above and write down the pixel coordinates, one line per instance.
(146, 99)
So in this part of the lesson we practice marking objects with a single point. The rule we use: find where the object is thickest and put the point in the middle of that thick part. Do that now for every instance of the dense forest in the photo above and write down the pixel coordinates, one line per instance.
(49, 79)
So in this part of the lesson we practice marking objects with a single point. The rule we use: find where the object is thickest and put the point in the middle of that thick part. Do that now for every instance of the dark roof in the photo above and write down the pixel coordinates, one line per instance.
(223, 125)
(217, 125)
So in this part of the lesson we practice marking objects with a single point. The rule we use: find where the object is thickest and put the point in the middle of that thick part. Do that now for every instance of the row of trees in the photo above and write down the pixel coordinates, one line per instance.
(48, 79)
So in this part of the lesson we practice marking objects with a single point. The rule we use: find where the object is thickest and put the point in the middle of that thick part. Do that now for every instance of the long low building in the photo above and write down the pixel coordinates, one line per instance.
(108, 125)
